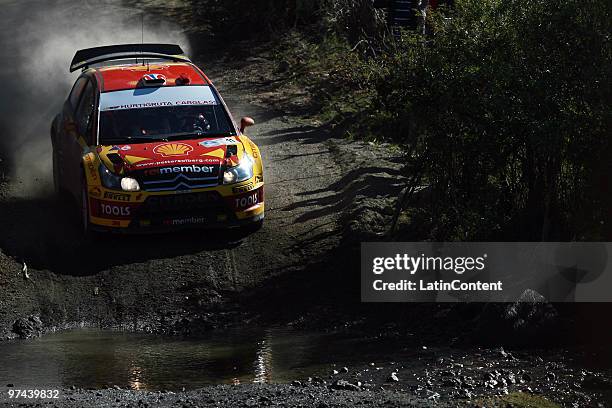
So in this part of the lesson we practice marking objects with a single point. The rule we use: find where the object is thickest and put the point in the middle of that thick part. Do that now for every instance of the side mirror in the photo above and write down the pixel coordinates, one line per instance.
(245, 123)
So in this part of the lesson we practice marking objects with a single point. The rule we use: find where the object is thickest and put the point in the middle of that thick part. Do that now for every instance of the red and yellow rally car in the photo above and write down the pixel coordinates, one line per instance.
(145, 142)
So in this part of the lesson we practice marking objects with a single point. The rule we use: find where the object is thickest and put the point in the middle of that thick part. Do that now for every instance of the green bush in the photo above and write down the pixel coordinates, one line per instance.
(504, 110)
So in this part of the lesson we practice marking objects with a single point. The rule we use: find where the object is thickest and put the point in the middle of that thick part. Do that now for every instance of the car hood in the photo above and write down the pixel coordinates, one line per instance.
(124, 159)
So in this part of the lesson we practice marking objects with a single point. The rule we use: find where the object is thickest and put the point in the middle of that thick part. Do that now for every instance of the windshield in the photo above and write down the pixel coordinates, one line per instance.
(147, 114)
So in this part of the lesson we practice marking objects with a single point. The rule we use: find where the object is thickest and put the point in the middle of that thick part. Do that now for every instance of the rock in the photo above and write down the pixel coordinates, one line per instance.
(490, 383)
(28, 327)
(335, 372)
(318, 380)
(531, 310)
(467, 382)
(504, 353)
(531, 320)
(344, 370)
(393, 377)
(345, 385)
(432, 395)
(296, 383)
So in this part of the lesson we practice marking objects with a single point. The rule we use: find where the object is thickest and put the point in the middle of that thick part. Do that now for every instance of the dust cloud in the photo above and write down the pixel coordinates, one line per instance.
(37, 42)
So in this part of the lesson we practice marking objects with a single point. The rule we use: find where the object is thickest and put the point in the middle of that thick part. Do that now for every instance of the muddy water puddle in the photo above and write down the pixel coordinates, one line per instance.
(88, 358)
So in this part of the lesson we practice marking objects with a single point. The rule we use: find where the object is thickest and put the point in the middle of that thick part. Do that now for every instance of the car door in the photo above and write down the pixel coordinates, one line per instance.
(78, 131)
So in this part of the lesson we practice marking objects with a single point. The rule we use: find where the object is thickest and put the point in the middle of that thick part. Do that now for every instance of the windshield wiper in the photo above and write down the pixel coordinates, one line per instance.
(195, 135)
(131, 139)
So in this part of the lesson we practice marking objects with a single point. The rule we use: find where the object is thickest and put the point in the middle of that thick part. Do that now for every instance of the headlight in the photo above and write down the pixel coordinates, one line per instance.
(129, 184)
(109, 180)
(243, 171)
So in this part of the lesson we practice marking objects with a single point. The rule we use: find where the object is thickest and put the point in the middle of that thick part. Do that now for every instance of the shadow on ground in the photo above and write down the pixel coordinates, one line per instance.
(306, 134)
(42, 232)
(362, 182)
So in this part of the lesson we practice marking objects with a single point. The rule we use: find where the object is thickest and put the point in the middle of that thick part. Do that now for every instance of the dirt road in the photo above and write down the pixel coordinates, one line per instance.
(162, 283)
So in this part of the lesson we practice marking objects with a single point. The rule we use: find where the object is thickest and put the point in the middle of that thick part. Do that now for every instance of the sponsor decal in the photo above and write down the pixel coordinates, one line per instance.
(259, 179)
(116, 196)
(161, 97)
(185, 221)
(180, 169)
(248, 200)
(254, 150)
(159, 104)
(177, 161)
(222, 141)
(243, 189)
(154, 77)
(173, 149)
(114, 210)
(111, 209)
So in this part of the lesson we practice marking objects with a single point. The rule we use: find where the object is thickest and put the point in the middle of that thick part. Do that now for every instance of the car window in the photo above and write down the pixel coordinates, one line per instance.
(178, 112)
(77, 90)
(84, 113)
(188, 122)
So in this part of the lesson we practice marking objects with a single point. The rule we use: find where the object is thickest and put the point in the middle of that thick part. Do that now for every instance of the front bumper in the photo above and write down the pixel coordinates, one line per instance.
(223, 206)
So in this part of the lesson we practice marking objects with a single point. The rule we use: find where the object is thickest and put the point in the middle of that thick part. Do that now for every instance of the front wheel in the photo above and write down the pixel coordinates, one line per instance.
(253, 227)
(85, 225)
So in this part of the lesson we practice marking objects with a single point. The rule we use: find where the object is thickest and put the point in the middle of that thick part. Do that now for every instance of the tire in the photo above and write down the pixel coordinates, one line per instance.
(253, 227)
(84, 224)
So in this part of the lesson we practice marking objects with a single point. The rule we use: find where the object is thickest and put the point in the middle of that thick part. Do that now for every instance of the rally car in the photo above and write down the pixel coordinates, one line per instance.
(145, 142)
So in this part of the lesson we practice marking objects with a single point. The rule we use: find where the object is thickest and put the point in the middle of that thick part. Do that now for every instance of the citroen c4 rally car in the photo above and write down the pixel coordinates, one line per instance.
(145, 142)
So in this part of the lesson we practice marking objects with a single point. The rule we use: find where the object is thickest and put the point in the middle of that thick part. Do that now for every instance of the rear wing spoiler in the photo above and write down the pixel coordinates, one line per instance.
(88, 56)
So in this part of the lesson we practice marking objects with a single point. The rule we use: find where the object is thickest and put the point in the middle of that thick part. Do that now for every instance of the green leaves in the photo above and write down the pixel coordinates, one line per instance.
(501, 102)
